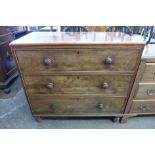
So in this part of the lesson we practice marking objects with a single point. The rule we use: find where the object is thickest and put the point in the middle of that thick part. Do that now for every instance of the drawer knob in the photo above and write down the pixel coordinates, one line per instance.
(144, 108)
(50, 85)
(151, 92)
(104, 85)
(102, 106)
(108, 61)
(48, 61)
(154, 73)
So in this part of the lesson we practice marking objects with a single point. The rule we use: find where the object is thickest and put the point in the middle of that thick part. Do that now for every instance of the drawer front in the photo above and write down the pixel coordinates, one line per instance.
(77, 60)
(76, 105)
(143, 106)
(149, 73)
(146, 91)
(95, 84)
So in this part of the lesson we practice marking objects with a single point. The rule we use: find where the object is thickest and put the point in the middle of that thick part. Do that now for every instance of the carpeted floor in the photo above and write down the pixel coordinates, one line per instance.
(15, 114)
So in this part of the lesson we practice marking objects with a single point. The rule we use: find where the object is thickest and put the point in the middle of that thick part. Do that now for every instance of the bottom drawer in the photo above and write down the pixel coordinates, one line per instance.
(76, 105)
(143, 106)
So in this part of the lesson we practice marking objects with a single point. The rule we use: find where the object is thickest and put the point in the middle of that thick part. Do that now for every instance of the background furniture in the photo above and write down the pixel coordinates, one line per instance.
(43, 28)
(150, 32)
(77, 74)
(134, 29)
(96, 28)
(124, 29)
(75, 29)
(143, 96)
(7, 64)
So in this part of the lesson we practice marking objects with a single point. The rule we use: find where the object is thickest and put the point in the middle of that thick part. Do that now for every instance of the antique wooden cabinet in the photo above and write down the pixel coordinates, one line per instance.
(143, 97)
(7, 65)
(77, 74)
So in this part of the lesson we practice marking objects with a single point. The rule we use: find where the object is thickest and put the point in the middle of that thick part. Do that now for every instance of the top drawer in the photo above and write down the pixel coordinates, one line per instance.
(77, 60)
(149, 73)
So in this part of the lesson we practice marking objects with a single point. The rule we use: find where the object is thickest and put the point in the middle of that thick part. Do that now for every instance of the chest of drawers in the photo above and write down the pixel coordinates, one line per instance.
(77, 74)
(144, 99)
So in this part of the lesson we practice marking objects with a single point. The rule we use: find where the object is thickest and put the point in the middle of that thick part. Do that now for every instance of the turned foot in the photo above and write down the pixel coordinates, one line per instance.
(37, 118)
(124, 119)
(115, 119)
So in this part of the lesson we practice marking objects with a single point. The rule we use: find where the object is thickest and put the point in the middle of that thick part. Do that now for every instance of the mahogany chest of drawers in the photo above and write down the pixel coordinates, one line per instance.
(77, 74)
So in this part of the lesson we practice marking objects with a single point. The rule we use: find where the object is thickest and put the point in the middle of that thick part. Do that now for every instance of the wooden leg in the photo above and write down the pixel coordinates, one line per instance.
(37, 118)
(124, 119)
(115, 119)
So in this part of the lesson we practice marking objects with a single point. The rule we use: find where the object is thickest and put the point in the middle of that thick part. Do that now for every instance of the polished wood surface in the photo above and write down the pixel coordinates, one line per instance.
(78, 59)
(94, 84)
(76, 105)
(77, 74)
(75, 38)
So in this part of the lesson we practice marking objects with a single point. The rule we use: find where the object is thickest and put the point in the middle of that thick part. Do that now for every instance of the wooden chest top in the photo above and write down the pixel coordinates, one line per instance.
(69, 38)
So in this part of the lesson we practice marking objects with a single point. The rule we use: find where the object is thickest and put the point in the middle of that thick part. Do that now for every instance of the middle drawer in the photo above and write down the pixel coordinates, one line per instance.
(108, 85)
(145, 91)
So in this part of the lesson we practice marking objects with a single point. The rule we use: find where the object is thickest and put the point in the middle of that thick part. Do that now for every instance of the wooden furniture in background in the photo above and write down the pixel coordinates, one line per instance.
(7, 65)
(77, 74)
(143, 100)
(75, 29)
(133, 29)
(124, 29)
(97, 28)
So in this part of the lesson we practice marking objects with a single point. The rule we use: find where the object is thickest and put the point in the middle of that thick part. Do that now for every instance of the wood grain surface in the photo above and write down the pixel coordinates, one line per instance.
(78, 60)
(118, 85)
(76, 105)
(145, 91)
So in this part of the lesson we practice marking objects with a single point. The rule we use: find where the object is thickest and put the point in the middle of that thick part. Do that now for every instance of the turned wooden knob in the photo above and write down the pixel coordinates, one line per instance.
(104, 85)
(100, 106)
(48, 61)
(108, 60)
(50, 85)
